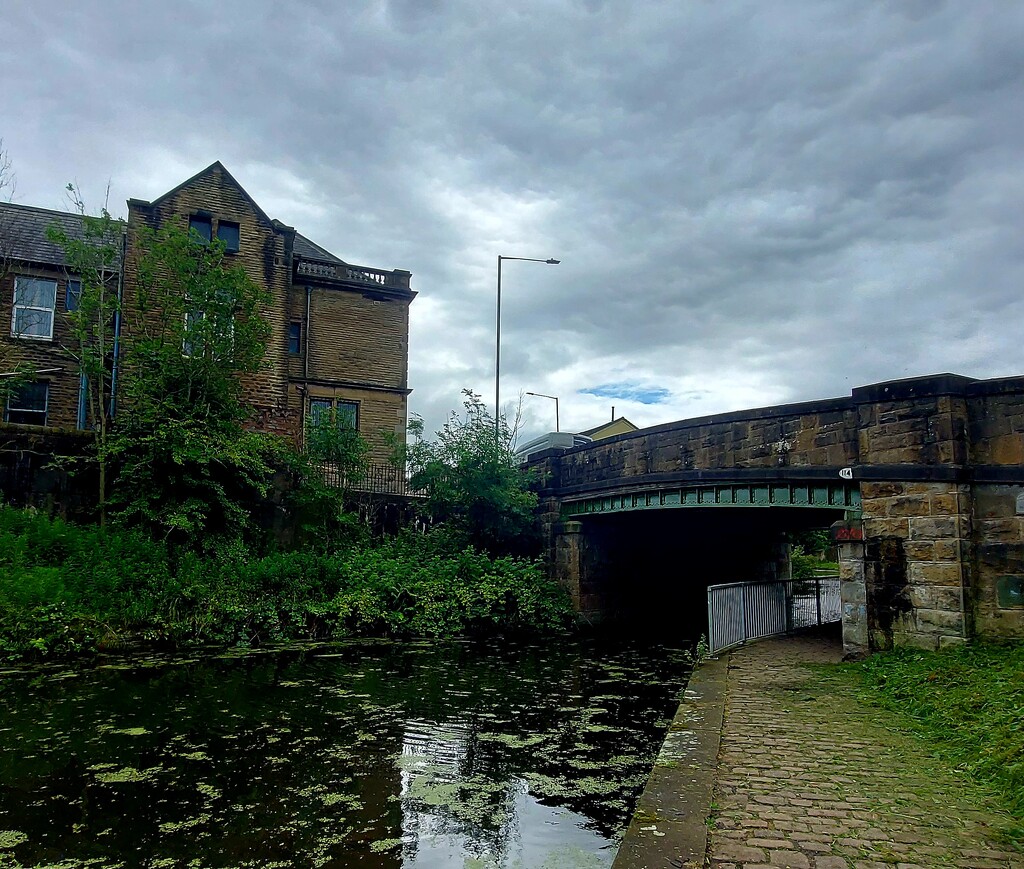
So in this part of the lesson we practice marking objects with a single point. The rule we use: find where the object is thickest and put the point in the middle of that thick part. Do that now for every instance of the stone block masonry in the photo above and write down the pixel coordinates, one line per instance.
(938, 463)
(339, 333)
(918, 584)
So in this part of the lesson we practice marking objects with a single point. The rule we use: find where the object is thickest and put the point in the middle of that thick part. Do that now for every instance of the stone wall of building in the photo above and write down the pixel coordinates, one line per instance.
(356, 338)
(262, 253)
(52, 356)
(381, 414)
(358, 351)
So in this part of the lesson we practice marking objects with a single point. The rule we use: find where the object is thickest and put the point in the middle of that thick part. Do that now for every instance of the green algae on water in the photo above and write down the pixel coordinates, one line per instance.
(11, 838)
(128, 774)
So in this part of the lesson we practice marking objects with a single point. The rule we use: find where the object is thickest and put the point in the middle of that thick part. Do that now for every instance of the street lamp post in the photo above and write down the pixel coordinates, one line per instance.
(497, 341)
(555, 399)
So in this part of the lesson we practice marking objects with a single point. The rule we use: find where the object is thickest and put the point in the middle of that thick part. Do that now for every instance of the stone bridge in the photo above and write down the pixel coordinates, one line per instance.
(929, 472)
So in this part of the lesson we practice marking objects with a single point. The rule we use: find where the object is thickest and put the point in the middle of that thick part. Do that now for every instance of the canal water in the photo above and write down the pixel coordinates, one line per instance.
(373, 754)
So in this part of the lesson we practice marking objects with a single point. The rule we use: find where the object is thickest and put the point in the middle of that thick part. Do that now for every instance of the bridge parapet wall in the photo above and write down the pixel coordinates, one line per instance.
(802, 435)
(940, 466)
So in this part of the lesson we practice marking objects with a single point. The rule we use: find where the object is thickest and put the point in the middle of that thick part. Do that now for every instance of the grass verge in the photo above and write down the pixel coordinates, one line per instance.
(967, 702)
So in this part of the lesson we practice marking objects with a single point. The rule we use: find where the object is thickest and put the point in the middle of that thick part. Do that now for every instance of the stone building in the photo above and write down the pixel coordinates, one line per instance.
(36, 294)
(339, 332)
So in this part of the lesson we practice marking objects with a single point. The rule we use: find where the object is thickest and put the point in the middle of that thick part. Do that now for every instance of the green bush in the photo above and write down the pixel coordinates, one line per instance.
(66, 589)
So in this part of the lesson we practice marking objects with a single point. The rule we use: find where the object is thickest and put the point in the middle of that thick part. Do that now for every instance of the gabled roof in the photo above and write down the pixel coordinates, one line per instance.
(303, 246)
(620, 421)
(23, 233)
(216, 164)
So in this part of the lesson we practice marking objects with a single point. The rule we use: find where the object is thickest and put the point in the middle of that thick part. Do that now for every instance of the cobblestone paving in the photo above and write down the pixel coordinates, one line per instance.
(810, 778)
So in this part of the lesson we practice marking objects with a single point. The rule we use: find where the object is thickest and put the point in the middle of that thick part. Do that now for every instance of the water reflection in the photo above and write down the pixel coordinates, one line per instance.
(363, 754)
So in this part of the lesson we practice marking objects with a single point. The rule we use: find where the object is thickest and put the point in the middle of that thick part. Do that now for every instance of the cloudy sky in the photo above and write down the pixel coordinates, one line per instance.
(753, 202)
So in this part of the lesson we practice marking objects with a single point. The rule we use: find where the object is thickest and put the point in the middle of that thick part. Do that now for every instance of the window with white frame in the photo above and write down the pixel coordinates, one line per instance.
(188, 339)
(32, 313)
(27, 404)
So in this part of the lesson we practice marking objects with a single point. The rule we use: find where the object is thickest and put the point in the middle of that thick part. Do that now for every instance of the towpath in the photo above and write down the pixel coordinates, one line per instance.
(783, 766)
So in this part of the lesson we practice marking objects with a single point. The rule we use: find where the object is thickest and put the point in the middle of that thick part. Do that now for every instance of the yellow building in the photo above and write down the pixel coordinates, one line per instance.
(618, 426)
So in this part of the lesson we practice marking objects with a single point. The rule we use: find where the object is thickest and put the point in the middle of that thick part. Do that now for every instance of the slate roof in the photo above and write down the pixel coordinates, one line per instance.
(307, 249)
(23, 233)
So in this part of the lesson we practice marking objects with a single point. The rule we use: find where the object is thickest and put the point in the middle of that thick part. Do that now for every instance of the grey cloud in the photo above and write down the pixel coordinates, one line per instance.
(822, 194)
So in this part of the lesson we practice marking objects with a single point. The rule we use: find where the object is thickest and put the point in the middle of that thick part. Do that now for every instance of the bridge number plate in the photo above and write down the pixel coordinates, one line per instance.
(846, 473)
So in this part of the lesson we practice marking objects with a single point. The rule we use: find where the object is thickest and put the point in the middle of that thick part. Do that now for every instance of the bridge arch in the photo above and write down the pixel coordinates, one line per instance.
(931, 470)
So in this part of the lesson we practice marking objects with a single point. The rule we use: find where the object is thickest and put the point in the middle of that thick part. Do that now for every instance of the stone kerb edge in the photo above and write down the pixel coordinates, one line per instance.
(670, 824)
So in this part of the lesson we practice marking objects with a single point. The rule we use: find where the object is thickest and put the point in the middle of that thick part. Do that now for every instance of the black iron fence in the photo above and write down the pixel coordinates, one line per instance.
(371, 479)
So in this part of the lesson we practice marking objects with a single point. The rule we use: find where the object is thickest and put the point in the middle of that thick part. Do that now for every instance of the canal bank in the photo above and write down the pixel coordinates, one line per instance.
(770, 763)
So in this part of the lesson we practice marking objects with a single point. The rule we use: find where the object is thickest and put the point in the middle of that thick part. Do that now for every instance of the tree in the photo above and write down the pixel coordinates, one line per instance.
(334, 459)
(187, 467)
(473, 483)
(94, 261)
(7, 226)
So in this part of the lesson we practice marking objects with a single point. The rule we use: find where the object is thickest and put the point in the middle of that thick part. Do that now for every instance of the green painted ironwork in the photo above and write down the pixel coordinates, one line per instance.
(843, 496)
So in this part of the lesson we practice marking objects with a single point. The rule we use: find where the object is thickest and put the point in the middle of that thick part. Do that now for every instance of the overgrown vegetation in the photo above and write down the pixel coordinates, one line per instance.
(187, 556)
(94, 262)
(67, 589)
(187, 469)
(320, 509)
(474, 486)
(968, 702)
(811, 553)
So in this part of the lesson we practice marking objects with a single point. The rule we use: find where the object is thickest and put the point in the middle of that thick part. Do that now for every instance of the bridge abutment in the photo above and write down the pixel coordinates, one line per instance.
(853, 599)
(933, 466)
(917, 563)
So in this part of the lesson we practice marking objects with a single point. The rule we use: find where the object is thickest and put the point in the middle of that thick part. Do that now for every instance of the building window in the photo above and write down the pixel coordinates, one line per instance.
(209, 332)
(72, 296)
(34, 301)
(83, 400)
(228, 233)
(346, 413)
(294, 337)
(201, 227)
(190, 336)
(27, 404)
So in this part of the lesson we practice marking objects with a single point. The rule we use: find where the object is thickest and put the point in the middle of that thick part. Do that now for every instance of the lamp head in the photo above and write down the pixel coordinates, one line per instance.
(552, 262)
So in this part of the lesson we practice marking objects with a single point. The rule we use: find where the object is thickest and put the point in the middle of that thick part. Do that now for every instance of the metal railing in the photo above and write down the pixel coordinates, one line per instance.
(741, 611)
(372, 479)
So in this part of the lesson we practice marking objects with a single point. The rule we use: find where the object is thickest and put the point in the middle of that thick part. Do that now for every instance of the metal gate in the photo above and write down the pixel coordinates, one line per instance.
(741, 611)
